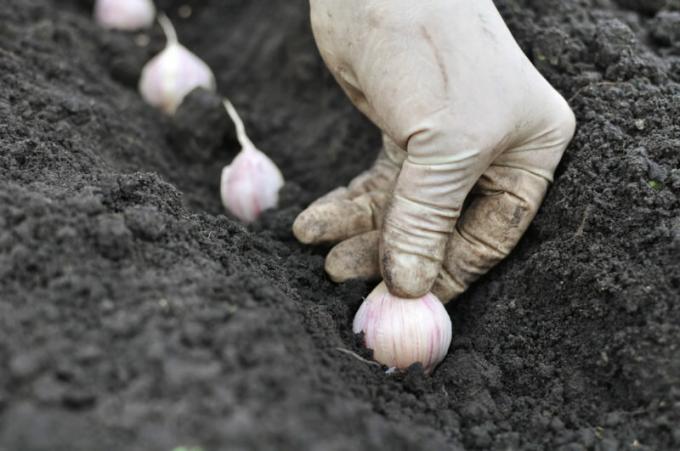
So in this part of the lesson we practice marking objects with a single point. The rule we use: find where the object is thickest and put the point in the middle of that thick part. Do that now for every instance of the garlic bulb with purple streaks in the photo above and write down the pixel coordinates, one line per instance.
(402, 332)
(251, 183)
(173, 73)
(127, 15)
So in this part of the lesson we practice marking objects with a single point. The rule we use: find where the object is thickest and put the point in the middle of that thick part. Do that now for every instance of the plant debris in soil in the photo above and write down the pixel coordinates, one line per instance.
(136, 315)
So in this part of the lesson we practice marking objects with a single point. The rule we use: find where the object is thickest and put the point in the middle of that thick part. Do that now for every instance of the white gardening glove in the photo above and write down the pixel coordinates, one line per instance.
(461, 107)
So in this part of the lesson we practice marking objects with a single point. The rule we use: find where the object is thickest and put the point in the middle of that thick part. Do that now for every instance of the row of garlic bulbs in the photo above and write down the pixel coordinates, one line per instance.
(399, 331)
(252, 182)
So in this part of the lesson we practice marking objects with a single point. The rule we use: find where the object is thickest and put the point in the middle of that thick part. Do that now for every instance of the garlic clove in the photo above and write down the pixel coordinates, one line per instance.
(251, 183)
(128, 15)
(402, 332)
(172, 74)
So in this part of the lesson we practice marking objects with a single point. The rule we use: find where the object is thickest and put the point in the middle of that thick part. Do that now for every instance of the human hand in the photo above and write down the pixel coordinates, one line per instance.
(465, 115)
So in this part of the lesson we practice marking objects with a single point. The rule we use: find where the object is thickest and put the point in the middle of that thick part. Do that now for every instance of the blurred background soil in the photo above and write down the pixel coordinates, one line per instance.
(135, 315)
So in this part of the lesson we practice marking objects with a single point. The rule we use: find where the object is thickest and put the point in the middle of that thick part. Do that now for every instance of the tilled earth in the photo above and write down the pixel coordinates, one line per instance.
(135, 315)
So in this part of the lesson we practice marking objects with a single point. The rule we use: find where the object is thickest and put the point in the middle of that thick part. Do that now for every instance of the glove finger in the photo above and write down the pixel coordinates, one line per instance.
(337, 220)
(381, 177)
(338, 193)
(355, 258)
(490, 227)
(321, 222)
(419, 220)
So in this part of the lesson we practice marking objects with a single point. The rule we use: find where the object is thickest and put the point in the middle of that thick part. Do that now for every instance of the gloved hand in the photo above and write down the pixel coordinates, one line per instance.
(462, 111)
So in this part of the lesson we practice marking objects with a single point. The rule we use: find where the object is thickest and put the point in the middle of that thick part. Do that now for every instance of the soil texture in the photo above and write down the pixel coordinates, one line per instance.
(135, 315)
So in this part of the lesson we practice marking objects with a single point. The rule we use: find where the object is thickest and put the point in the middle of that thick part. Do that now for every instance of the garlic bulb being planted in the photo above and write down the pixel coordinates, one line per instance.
(402, 332)
(127, 15)
(173, 73)
(251, 183)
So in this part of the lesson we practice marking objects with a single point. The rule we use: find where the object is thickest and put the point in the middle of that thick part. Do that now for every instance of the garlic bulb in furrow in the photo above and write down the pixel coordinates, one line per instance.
(251, 183)
(127, 15)
(172, 74)
(402, 332)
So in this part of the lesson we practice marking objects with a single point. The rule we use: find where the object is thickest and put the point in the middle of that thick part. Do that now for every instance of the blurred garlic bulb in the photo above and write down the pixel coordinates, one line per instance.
(128, 15)
(173, 73)
(402, 332)
(251, 183)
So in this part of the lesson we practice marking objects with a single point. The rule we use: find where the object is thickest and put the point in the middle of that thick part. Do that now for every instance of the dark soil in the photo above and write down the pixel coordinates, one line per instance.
(135, 315)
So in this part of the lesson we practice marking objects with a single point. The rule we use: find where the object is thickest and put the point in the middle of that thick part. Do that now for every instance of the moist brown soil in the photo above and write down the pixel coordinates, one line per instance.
(136, 315)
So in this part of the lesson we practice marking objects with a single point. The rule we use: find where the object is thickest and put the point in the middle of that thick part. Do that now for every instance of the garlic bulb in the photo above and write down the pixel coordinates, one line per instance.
(173, 73)
(128, 15)
(402, 332)
(251, 183)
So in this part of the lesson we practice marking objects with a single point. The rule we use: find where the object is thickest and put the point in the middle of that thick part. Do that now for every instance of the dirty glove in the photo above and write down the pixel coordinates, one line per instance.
(464, 114)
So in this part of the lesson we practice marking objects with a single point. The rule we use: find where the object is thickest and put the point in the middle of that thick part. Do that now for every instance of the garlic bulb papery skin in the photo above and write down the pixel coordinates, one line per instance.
(173, 73)
(251, 183)
(402, 332)
(126, 15)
